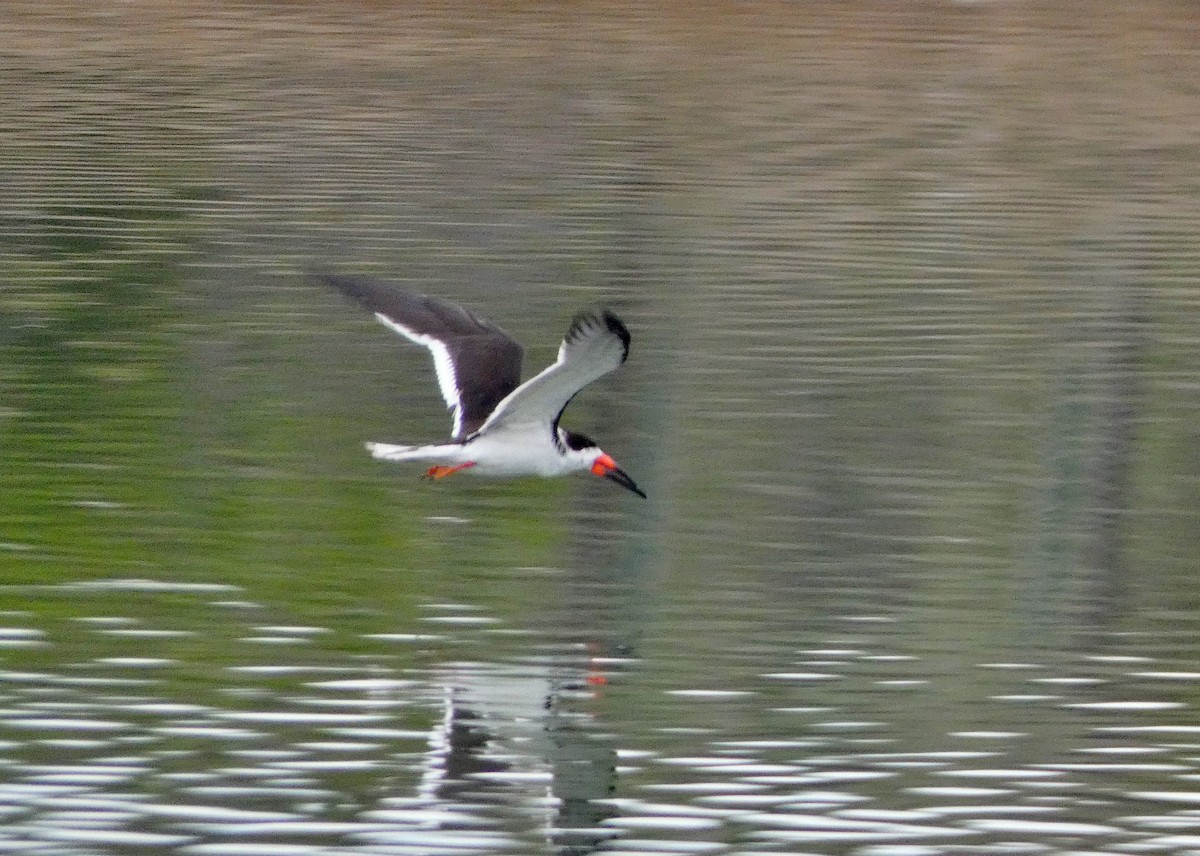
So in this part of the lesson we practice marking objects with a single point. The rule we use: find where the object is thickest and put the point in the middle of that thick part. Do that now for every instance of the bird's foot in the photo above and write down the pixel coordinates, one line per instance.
(442, 472)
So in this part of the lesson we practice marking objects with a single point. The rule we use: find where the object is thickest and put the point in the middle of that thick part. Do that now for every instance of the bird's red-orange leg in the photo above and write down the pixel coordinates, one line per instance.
(442, 472)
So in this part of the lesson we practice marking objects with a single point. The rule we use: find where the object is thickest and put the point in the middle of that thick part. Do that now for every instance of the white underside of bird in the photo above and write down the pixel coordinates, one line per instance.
(496, 454)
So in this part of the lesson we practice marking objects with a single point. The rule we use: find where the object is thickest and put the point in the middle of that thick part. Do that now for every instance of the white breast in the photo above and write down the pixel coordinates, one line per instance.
(507, 453)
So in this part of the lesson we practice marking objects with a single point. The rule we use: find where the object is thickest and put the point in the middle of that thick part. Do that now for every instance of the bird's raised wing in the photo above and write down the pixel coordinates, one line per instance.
(595, 344)
(477, 364)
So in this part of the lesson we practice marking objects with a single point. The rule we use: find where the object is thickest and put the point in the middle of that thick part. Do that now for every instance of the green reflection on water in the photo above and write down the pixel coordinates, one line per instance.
(126, 460)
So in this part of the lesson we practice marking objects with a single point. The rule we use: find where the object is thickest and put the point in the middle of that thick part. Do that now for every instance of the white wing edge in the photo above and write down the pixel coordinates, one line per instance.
(442, 365)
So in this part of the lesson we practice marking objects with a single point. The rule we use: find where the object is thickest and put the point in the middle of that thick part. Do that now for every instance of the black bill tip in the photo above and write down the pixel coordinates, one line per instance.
(622, 478)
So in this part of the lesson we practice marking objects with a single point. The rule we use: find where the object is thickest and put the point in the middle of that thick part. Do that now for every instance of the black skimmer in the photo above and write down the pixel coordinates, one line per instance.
(502, 428)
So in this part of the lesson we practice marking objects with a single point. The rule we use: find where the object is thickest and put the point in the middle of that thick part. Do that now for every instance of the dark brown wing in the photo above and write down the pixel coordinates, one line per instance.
(477, 363)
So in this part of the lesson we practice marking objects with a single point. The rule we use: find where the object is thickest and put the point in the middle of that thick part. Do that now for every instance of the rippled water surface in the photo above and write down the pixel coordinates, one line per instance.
(913, 393)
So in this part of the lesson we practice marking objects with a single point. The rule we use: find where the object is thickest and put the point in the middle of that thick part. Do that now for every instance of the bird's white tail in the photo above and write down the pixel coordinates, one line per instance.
(449, 453)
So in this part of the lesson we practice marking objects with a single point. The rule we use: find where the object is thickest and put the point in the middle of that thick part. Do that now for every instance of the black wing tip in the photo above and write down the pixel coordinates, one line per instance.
(357, 284)
(600, 319)
(617, 327)
(360, 288)
(336, 280)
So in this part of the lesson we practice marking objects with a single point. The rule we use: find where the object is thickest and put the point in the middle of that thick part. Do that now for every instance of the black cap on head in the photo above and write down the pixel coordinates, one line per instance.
(578, 442)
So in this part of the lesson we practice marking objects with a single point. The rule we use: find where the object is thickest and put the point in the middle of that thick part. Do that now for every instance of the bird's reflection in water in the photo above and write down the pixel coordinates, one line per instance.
(504, 730)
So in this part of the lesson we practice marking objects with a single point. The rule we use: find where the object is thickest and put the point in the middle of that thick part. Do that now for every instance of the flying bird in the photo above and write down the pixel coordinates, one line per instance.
(502, 428)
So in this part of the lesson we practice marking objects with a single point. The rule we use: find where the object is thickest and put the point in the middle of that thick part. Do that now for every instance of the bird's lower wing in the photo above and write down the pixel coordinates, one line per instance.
(596, 344)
